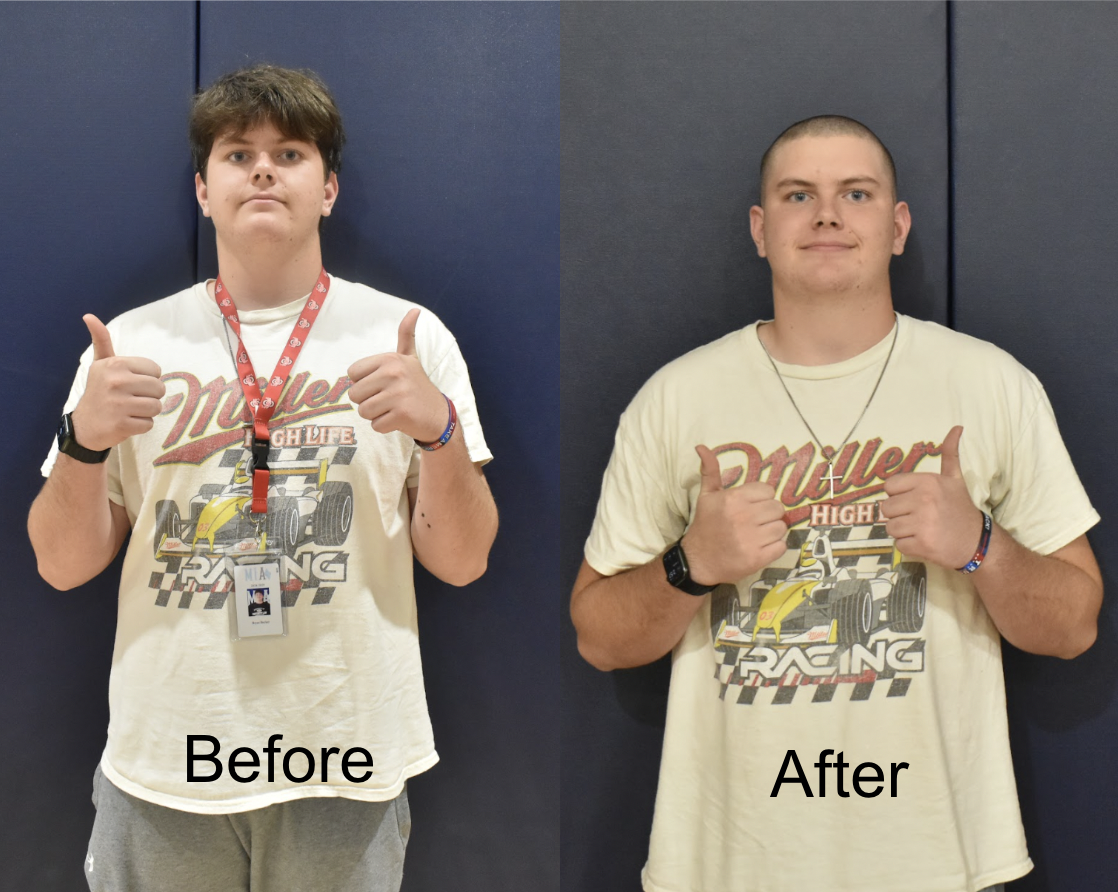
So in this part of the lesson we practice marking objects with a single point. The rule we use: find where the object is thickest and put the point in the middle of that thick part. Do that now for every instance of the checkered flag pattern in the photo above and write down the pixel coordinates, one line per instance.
(171, 591)
(864, 548)
(301, 582)
(794, 686)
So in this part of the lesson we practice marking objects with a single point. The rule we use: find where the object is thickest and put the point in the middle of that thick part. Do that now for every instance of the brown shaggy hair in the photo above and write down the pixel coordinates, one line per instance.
(295, 102)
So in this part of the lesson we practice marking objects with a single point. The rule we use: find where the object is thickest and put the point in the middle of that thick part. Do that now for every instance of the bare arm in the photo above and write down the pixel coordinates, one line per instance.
(453, 517)
(629, 619)
(75, 529)
(454, 520)
(1043, 604)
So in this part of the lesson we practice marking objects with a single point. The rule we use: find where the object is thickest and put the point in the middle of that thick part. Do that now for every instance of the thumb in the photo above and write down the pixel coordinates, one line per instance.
(711, 472)
(405, 342)
(102, 343)
(949, 453)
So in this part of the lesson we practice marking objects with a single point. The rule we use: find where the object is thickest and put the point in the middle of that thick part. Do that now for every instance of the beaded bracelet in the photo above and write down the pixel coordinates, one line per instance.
(447, 434)
(983, 545)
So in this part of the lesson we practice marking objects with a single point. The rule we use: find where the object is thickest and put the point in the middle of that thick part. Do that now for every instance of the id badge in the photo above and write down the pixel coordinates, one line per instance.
(258, 609)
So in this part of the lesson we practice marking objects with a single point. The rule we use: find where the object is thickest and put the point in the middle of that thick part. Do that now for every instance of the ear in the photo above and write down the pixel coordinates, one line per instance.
(331, 194)
(202, 194)
(902, 225)
(757, 228)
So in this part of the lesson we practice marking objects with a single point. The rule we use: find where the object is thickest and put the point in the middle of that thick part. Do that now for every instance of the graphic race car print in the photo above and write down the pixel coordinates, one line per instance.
(303, 506)
(847, 615)
(821, 601)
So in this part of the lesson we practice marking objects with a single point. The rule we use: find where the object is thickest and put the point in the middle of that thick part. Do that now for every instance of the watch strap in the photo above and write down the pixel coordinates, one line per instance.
(68, 444)
(678, 572)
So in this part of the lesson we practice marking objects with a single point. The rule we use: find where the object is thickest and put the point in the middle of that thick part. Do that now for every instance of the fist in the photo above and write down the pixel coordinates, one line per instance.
(122, 394)
(736, 531)
(393, 392)
(931, 516)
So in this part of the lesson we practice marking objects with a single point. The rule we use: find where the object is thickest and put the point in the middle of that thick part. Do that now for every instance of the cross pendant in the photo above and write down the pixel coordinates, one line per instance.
(832, 477)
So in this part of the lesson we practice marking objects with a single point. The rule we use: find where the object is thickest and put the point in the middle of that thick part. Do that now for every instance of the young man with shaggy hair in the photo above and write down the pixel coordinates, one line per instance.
(275, 435)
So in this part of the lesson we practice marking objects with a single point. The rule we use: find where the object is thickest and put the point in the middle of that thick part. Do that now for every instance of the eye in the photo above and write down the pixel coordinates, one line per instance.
(291, 155)
(237, 157)
(798, 197)
(859, 195)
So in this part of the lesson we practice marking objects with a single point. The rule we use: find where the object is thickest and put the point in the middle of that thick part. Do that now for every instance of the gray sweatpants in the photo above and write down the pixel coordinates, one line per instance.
(309, 845)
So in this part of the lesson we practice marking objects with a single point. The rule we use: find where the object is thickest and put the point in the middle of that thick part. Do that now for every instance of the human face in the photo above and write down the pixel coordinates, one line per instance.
(828, 221)
(262, 187)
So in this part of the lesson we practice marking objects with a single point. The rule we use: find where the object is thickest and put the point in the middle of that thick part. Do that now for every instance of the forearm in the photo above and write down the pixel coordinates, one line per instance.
(1041, 604)
(74, 529)
(454, 519)
(629, 619)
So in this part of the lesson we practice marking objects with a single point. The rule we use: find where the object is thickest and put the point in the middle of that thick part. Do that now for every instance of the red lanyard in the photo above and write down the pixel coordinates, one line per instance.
(261, 401)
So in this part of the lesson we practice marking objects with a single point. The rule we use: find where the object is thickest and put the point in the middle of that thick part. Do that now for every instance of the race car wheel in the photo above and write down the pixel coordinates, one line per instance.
(284, 524)
(853, 608)
(334, 514)
(168, 522)
(724, 605)
(909, 599)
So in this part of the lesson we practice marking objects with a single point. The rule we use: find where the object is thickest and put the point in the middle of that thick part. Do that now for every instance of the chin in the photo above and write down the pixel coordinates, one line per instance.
(270, 230)
(822, 284)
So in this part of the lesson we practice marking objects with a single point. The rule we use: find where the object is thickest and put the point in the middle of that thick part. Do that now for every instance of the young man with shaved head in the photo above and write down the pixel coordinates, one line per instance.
(279, 444)
(830, 519)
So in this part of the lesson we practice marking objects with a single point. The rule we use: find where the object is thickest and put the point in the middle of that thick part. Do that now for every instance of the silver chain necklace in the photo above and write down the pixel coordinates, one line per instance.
(830, 476)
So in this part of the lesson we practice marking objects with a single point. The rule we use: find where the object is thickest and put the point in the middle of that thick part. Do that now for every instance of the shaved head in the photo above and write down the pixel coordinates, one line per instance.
(827, 125)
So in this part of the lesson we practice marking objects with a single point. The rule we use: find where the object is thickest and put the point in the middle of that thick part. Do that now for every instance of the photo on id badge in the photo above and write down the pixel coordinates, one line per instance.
(258, 598)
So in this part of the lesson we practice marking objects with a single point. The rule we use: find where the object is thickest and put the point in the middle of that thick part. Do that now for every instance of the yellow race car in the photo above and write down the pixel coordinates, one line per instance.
(220, 520)
(825, 598)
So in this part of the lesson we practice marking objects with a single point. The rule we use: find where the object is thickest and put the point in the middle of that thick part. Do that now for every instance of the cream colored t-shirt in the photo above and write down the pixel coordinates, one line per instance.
(842, 645)
(348, 673)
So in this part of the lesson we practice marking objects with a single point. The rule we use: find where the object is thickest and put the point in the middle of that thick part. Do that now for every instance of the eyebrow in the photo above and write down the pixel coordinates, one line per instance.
(849, 181)
(240, 139)
(236, 139)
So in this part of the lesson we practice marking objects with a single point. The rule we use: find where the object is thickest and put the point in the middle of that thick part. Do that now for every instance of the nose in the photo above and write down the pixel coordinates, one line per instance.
(262, 170)
(827, 215)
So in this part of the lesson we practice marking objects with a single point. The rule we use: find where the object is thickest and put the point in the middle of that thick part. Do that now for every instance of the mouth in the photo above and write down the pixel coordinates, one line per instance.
(827, 246)
(262, 198)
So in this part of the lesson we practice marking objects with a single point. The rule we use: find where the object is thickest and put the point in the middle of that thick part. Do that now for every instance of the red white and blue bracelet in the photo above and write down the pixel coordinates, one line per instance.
(447, 434)
(983, 545)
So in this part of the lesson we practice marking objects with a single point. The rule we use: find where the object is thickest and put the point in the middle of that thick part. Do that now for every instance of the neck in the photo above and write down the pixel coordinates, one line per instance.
(821, 329)
(268, 278)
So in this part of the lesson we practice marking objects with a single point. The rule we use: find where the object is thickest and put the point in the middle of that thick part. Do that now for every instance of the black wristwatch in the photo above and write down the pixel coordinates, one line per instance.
(71, 447)
(679, 574)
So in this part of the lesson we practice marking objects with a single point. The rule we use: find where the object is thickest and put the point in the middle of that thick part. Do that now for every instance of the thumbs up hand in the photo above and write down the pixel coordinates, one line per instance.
(931, 516)
(736, 531)
(393, 392)
(122, 394)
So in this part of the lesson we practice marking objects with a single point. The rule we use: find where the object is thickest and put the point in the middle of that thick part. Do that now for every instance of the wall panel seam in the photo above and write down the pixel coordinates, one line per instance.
(197, 84)
(950, 66)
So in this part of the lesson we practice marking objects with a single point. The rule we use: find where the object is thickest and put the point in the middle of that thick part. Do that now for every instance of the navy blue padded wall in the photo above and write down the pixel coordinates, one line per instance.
(449, 197)
(98, 210)
(666, 111)
(1035, 272)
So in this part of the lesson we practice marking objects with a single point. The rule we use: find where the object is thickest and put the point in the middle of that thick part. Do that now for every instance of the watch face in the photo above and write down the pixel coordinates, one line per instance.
(68, 445)
(65, 432)
(673, 564)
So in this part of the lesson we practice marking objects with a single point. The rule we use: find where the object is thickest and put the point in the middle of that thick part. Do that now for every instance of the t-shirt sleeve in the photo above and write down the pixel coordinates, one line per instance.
(116, 494)
(639, 511)
(1045, 506)
(442, 360)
